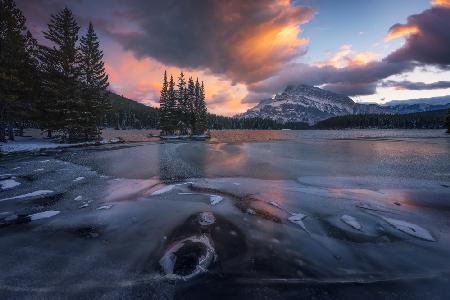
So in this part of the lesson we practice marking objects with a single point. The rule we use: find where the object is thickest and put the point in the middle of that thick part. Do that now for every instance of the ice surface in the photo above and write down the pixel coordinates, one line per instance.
(39, 170)
(8, 184)
(78, 178)
(411, 229)
(351, 221)
(32, 194)
(163, 190)
(297, 218)
(215, 199)
(44, 215)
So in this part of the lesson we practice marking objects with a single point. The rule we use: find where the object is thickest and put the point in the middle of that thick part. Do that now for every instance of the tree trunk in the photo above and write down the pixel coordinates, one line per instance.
(49, 133)
(11, 131)
(2, 132)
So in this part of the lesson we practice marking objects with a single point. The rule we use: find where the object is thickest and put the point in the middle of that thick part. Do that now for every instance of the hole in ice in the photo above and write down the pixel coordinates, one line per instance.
(188, 258)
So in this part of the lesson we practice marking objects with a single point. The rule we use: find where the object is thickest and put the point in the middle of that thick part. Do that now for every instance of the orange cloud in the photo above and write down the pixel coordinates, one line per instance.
(140, 80)
(345, 57)
(401, 30)
(443, 3)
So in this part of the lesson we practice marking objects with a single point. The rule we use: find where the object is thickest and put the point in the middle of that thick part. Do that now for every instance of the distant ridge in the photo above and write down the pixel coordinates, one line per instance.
(303, 103)
(431, 101)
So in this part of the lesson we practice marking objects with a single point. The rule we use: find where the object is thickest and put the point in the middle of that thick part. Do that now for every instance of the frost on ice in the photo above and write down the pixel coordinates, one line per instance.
(215, 199)
(8, 184)
(351, 221)
(32, 194)
(163, 190)
(411, 229)
(44, 215)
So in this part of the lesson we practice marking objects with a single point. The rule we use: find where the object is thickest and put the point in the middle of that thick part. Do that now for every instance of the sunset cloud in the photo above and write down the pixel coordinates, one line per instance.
(246, 40)
(443, 3)
(398, 30)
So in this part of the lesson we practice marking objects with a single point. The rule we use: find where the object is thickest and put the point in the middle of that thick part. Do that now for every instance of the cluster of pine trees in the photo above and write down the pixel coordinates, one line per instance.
(62, 87)
(421, 120)
(182, 110)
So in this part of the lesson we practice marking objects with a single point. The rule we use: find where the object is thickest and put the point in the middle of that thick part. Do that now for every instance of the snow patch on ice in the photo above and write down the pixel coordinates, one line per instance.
(215, 199)
(45, 161)
(297, 218)
(8, 184)
(410, 228)
(163, 190)
(351, 221)
(274, 204)
(78, 198)
(78, 179)
(32, 194)
(104, 207)
(39, 170)
(44, 215)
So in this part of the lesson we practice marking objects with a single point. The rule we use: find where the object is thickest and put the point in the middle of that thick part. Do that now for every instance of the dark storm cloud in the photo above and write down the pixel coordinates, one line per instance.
(355, 80)
(408, 85)
(431, 44)
(246, 40)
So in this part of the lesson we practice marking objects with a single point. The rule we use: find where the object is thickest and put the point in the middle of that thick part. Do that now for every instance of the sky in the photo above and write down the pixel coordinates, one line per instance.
(245, 51)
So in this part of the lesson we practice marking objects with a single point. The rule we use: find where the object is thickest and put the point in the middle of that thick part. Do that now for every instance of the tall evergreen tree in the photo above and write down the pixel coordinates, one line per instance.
(181, 102)
(172, 106)
(202, 122)
(62, 76)
(15, 68)
(164, 121)
(190, 102)
(95, 81)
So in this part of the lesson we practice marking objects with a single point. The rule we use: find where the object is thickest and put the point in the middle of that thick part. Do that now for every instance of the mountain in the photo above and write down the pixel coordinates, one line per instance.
(431, 101)
(303, 103)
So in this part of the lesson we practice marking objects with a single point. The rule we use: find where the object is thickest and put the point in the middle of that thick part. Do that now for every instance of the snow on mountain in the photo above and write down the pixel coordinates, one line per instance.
(303, 103)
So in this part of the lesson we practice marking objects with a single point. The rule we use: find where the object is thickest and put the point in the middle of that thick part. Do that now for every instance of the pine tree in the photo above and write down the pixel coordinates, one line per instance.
(95, 81)
(163, 111)
(181, 103)
(62, 76)
(202, 122)
(14, 67)
(190, 102)
(171, 108)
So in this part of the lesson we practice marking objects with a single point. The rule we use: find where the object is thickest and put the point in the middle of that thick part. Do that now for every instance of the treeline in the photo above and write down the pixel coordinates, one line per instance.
(422, 120)
(182, 110)
(129, 114)
(61, 87)
(221, 122)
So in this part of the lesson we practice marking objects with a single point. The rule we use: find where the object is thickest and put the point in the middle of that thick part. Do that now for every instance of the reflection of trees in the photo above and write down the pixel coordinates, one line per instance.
(181, 161)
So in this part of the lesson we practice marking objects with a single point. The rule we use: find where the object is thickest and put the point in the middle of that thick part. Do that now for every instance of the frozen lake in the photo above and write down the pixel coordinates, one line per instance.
(247, 215)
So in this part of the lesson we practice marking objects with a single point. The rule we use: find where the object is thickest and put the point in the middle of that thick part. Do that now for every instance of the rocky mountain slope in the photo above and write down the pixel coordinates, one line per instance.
(303, 103)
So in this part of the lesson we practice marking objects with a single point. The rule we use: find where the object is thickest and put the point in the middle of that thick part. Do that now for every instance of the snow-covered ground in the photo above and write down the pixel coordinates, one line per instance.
(35, 141)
